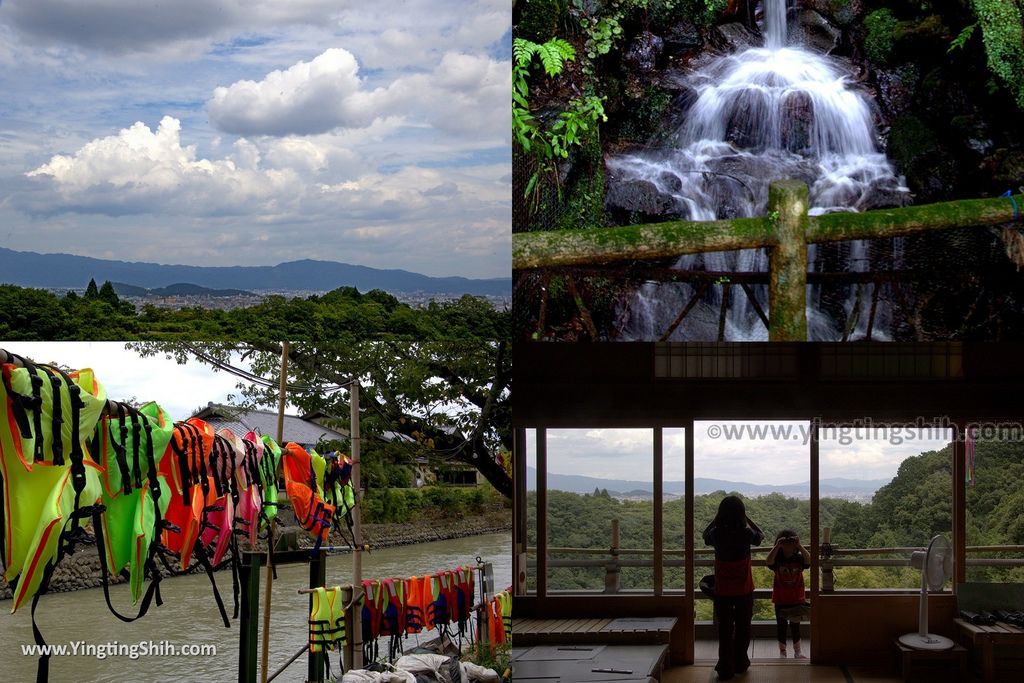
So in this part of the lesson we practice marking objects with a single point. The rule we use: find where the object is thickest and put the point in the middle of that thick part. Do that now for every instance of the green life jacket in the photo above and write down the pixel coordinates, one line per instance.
(130, 446)
(269, 463)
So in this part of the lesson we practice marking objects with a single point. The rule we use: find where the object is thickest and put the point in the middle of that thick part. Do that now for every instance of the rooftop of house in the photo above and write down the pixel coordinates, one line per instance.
(302, 429)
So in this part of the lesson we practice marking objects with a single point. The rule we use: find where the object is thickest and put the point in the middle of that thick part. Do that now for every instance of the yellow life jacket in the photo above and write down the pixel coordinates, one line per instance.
(327, 620)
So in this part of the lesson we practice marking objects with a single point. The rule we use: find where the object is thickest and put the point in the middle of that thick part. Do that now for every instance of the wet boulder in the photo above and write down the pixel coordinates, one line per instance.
(640, 198)
(896, 88)
(842, 13)
(797, 122)
(815, 32)
(683, 36)
(642, 54)
(734, 37)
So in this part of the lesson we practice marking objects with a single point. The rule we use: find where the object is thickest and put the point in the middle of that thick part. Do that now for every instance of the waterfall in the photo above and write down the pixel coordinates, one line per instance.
(759, 114)
(774, 24)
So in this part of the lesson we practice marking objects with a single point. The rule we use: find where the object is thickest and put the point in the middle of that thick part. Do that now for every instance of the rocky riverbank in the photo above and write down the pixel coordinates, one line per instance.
(82, 570)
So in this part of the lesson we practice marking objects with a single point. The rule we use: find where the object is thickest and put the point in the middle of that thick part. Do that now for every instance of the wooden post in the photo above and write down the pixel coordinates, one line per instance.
(346, 594)
(248, 640)
(612, 571)
(542, 512)
(959, 468)
(317, 576)
(659, 512)
(356, 634)
(265, 645)
(787, 261)
(815, 548)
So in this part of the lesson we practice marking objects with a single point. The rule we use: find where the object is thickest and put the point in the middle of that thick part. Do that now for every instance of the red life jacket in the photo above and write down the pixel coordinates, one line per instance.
(372, 610)
(392, 620)
(733, 578)
(436, 606)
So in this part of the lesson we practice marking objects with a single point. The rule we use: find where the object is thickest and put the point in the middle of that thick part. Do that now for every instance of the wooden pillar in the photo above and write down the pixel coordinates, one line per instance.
(959, 470)
(520, 533)
(787, 261)
(613, 573)
(689, 545)
(815, 545)
(542, 513)
(659, 540)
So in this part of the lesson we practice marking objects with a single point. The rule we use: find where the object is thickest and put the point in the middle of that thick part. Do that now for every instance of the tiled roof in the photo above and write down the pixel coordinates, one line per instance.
(303, 432)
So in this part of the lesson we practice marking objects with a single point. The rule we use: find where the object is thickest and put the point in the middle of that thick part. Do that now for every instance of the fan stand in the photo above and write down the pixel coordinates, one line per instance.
(922, 640)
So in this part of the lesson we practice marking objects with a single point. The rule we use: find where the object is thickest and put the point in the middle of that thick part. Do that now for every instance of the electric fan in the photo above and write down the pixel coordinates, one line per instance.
(936, 565)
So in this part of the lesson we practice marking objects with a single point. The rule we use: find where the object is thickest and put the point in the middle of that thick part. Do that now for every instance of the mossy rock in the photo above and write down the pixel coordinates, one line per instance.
(539, 19)
(646, 117)
(883, 30)
(931, 172)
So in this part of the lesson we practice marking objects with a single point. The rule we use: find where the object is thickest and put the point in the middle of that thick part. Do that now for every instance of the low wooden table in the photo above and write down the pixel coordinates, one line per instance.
(909, 656)
(985, 638)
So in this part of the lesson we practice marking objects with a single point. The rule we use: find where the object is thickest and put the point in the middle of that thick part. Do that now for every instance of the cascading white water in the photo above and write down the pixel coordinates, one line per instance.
(760, 114)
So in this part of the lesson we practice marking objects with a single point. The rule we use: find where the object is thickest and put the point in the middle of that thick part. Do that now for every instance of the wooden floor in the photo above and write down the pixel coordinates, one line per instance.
(783, 672)
(760, 649)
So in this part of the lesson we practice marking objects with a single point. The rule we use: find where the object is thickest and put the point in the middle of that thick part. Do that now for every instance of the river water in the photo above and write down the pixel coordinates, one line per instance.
(189, 616)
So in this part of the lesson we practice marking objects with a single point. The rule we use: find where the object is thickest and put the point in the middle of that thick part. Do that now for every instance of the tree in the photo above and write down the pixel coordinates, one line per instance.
(108, 294)
(91, 292)
(451, 400)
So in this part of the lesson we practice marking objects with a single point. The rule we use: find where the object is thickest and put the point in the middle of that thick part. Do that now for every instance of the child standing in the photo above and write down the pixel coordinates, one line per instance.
(788, 560)
(732, 534)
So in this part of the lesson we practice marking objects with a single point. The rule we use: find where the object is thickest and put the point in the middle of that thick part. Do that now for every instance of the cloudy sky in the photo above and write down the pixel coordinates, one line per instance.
(179, 389)
(220, 132)
(627, 453)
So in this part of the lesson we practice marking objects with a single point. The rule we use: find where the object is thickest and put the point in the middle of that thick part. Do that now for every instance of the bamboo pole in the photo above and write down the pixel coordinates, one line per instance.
(356, 637)
(268, 587)
(543, 249)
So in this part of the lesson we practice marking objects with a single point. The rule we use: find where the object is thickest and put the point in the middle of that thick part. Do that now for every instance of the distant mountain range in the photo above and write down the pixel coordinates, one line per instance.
(177, 289)
(836, 487)
(29, 269)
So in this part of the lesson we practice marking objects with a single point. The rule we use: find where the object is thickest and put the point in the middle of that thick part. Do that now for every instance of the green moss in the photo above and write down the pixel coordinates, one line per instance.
(883, 32)
(540, 19)
(584, 201)
(646, 117)
(909, 140)
(1004, 42)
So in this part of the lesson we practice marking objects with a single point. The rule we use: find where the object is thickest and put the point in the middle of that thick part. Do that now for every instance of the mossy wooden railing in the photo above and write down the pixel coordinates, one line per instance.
(785, 231)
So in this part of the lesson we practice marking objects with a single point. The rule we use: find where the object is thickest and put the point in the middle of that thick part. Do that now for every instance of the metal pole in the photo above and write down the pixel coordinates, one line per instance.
(265, 645)
(356, 634)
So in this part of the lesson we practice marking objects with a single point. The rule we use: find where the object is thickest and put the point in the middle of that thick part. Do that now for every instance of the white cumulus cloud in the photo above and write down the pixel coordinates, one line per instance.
(463, 94)
(308, 97)
(141, 171)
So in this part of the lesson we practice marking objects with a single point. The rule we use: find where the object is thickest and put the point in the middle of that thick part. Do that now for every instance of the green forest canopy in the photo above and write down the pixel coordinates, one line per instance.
(906, 512)
(344, 314)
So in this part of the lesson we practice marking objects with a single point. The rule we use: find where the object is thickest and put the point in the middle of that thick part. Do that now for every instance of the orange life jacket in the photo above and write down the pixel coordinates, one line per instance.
(185, 466)
(415, 613)
(312, 512)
